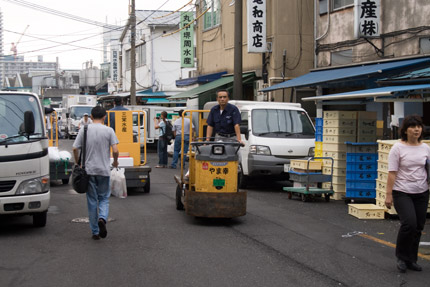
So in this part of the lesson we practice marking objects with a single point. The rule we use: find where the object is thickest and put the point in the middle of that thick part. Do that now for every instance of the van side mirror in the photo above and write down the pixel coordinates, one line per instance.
(244, 131)
(29, 123)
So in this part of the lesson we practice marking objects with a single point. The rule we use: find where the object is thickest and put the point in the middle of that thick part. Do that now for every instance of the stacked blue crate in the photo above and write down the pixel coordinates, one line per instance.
(318, 137)
(361, 170)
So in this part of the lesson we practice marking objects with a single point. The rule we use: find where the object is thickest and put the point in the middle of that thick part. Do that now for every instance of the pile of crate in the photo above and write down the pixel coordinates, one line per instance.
(340, 127)
(384, 147)
(361, 170)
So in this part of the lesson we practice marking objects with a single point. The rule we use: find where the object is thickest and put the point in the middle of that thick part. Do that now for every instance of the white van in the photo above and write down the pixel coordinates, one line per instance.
(24, 161)
(273, 133)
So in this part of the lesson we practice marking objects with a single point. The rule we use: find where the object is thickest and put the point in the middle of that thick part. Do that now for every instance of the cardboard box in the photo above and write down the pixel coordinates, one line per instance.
(366, 115)
(303, 164)
(366, 211)
(339, 147)
(336, 115)
(340, 123)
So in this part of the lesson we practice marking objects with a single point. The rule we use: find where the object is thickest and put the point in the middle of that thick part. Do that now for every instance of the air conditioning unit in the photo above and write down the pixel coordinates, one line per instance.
(259, 86)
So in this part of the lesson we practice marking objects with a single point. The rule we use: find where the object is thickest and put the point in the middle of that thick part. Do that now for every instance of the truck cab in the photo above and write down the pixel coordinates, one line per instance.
(24, 162)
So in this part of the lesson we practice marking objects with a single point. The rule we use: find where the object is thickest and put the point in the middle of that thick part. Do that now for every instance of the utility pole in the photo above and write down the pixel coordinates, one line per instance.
(133, 53)
(237, 84)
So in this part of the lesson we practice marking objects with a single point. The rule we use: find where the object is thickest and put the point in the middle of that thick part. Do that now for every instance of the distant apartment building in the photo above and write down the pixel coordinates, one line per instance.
(158, 53)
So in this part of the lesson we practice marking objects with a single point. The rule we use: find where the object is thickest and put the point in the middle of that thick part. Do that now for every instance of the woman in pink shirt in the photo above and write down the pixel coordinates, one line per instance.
(408, 189)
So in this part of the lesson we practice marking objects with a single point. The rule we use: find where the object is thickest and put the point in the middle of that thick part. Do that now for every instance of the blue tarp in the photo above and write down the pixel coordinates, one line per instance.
(203, 79)
(341, 74)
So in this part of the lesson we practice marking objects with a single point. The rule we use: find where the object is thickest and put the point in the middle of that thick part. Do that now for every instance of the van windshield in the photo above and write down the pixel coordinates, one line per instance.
(12, 109)
(77, 112)
(281, 123)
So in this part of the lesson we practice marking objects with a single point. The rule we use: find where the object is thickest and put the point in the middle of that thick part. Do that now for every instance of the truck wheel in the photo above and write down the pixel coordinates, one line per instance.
(39, 219)
(242, 179)
(179, 204)
(65, 180)
(147, 187)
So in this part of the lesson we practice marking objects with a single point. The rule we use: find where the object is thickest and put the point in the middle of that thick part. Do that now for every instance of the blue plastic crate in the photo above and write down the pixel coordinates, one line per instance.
(361, 166)
(361, 175)
(319, 130)
(361, 157)
(366, 184)
(369, 147)
(360, 193)
(319, 122)
(318, 137)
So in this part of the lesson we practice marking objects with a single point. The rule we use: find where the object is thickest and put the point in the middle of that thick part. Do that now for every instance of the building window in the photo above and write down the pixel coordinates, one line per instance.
(212, 17)
(127, 60)
(425, 45)
(337, 4)
(141, 55)
(341, 57)
(323, 6)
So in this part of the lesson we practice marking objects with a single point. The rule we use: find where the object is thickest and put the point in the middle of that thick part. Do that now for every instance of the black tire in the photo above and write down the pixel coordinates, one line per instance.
(179, 204)
(242, 179)
(147, 187)
(65, 180)
(39, 219)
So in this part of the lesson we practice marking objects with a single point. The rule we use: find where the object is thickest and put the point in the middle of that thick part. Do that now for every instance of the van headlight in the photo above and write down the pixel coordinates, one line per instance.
(260, 150)
(311, 151)
(33, 186)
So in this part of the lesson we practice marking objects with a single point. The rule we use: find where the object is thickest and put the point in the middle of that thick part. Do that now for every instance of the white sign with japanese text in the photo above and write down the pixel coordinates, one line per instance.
(256, 26)
(367, 18)
(114, 65)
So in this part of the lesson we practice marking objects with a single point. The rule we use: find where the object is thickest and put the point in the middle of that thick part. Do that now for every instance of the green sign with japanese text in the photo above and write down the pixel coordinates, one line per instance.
(187, 39)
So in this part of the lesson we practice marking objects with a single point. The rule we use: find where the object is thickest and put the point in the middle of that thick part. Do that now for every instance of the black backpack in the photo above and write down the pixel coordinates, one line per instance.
(168, 133)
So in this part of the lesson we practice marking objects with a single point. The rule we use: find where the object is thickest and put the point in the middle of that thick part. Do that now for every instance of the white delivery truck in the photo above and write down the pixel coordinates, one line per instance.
(76, 106)
(151, 113)
(273, 134)
(24, 162)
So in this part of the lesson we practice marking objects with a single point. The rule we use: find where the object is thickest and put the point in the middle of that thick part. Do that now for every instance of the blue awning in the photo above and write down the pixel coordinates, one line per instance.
(406, 93)
(149, 92)
(203, 79)
(350, 73)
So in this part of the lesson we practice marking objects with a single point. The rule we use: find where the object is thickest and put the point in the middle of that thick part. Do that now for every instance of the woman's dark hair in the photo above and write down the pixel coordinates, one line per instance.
(411, 121)
(98, 112)
(164, 114)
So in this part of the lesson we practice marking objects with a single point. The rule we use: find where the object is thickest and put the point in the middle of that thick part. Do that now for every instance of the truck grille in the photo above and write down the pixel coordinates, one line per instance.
(7, 185)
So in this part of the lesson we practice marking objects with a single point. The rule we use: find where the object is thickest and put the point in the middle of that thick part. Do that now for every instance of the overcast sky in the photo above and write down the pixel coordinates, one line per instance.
(47, 33)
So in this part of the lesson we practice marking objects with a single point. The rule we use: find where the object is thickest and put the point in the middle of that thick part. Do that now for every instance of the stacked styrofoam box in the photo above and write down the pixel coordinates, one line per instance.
(361, 170)
(384, 147)
(366, 126)
(339, 127)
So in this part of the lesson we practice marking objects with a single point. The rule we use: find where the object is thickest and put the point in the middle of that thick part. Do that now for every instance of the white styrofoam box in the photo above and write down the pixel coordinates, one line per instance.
(123, 161)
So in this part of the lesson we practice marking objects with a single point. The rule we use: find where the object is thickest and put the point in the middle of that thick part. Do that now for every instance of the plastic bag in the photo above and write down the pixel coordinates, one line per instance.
(118, 185)
(53, 153)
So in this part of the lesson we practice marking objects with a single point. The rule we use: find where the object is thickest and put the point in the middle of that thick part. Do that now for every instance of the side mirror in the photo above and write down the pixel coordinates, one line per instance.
(29, 123)
(67, 115)
(244, 131)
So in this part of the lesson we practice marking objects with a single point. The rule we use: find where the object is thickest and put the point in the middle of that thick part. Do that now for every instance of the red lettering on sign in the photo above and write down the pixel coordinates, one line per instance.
(205, 166)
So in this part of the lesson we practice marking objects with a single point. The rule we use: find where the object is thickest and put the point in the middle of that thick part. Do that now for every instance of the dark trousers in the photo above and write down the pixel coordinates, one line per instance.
(412, 211)
(162, 151)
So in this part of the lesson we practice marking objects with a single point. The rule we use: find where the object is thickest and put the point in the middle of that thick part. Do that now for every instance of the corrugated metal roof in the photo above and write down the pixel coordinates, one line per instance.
(341, 74)
(152, 17)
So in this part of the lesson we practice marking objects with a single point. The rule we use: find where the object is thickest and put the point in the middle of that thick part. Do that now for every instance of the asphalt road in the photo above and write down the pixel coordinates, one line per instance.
(280, 242)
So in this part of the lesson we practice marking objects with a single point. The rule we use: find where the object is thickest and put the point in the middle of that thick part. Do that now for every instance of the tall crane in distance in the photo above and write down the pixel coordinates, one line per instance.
(14, 47)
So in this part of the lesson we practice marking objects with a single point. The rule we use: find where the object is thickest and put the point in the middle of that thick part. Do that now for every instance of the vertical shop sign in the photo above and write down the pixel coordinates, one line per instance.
(187, 40)
(114, 62)
(256, 10)
(367, 18)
